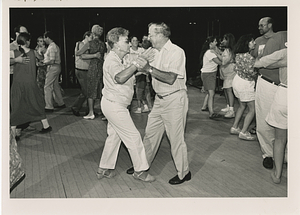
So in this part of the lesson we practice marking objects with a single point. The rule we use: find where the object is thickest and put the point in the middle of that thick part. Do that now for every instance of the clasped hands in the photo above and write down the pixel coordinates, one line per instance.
(142, 62)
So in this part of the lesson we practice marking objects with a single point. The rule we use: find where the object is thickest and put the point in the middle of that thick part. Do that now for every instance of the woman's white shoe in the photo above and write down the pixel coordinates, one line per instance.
(89, 117)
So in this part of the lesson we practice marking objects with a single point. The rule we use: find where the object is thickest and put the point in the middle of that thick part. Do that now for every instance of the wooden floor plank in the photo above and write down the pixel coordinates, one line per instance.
(63, 163)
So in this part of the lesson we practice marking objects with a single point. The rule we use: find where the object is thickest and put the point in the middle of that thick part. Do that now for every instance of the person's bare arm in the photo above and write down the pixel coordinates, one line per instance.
(125, 74)
(82, 49)
(20, 59)
(163, 76)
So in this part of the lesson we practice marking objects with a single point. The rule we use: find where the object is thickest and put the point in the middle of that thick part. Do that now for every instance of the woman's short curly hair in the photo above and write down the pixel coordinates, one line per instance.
(114, 34)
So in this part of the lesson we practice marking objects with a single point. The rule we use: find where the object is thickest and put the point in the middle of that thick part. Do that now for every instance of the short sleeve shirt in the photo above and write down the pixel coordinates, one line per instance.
(244, 66)
(275, 43)
(279, 58)
(171, 58)
(208, 64)
(121, 93)
(53, 53)
(226, 57)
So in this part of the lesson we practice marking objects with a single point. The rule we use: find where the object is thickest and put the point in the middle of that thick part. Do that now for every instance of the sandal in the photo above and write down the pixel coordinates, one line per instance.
(108, 173)
(143, 176)
(215, 115)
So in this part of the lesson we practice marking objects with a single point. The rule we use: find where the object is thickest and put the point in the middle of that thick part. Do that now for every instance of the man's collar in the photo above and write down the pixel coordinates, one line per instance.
(267, 36)
(167, 45)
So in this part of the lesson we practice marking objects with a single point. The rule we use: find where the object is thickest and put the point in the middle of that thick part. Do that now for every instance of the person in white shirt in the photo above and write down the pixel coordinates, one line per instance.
(140, 84)
(209, 57)
(117, 95)
(227, 73)
(52, 61)
(171, 101)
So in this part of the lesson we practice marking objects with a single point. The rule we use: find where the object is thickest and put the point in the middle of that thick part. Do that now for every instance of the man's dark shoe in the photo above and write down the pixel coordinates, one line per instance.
(176, 179)
(268, 162)
(75, 112)
(130, 171)
(46, 130)
(103, 118)
(61, 106)
(48, 110)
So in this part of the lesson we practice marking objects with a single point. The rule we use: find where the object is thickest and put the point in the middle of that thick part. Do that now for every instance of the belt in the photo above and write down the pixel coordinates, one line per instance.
(161, 97)
(282, 85)
(269, 80)
(84, 70)
(55, 64)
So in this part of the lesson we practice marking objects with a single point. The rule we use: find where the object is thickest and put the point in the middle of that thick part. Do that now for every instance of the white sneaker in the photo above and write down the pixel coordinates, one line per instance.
(225, 109)
(146, 109)
(229, 114)
(246, 136)
(18, 132)
(138, 110)
(235, 130)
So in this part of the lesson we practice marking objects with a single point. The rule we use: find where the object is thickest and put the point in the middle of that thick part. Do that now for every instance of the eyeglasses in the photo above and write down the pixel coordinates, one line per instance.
(262, 25)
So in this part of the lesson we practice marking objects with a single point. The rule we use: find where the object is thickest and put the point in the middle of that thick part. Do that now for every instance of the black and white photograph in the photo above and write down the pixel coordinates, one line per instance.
(155, 108)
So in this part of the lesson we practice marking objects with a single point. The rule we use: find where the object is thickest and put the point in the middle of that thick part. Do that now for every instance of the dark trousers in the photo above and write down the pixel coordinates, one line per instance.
(82, 79)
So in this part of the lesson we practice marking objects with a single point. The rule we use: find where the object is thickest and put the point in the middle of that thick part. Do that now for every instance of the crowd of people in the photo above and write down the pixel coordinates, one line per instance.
(254, 71)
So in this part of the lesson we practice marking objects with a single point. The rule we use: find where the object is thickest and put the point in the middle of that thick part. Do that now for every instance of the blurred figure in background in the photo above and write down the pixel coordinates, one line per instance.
(95, 70)
(227, 73)
(210, 59)
(27, 102)
(52, 60)
(39, 51)
(140, 85)
(81, 69)
(243, 85)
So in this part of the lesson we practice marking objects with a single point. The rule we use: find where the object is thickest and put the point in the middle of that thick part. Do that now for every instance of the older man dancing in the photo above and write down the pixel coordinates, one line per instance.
(171, 102)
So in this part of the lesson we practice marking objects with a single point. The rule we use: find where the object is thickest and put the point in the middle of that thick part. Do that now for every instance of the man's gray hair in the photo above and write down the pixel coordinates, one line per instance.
(162, 28)
(97, 30)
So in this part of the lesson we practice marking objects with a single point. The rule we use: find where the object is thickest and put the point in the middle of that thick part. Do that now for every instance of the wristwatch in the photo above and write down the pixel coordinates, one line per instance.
(150, 70)
(135, 64)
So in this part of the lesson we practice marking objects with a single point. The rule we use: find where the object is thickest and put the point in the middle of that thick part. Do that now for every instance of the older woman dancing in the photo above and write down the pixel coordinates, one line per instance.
(96, 48)
(117, 95)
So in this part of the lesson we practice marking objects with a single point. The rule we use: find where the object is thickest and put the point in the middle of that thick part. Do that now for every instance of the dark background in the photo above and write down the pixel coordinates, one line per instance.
(189, 26)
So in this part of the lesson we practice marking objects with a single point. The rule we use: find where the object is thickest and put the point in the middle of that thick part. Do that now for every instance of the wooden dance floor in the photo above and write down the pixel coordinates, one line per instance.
(63, 163)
